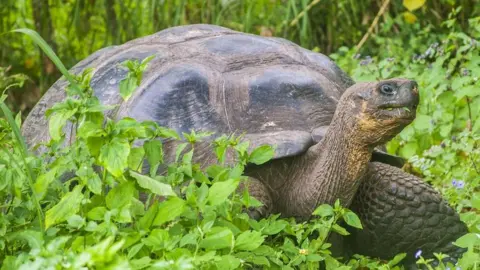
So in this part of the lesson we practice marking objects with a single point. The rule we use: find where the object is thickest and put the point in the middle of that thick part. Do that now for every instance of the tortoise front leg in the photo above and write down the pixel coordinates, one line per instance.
(401, 213)
(260, 192)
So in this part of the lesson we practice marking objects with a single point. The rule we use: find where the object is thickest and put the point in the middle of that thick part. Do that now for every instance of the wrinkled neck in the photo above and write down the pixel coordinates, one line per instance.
(332, 169)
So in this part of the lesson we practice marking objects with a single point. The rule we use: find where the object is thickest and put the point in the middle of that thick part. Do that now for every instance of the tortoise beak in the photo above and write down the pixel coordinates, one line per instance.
(408, 94)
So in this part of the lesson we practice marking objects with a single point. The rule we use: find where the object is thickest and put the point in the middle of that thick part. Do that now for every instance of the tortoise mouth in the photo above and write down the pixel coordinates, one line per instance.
(399, 111)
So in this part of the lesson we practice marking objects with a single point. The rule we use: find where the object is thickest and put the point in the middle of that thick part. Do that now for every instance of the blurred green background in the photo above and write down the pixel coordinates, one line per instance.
(76, 28)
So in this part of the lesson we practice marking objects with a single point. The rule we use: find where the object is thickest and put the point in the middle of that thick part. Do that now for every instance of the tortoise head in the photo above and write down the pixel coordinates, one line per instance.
(381, 109)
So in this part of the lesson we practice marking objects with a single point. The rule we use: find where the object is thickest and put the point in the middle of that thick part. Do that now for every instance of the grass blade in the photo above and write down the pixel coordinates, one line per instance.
(47, 50)
(24, 152)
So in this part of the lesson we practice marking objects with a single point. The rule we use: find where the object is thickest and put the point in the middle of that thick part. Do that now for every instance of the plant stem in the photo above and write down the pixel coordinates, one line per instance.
(23, 151)
(303, 12)
(374, 23)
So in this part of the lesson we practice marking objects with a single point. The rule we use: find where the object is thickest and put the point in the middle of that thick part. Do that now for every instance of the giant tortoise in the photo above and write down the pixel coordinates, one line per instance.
(211, 78)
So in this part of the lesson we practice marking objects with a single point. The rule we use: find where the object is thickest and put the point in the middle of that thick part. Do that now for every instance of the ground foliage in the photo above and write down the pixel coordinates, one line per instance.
(193, 219)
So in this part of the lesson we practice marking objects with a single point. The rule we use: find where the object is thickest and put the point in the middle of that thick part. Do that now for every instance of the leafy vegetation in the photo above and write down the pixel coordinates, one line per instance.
(83, 206)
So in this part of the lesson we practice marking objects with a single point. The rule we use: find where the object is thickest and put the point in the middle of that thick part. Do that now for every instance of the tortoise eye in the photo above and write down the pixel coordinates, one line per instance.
(387, 89)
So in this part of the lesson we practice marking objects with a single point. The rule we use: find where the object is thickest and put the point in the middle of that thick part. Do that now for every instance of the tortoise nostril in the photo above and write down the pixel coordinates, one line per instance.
(414, 87)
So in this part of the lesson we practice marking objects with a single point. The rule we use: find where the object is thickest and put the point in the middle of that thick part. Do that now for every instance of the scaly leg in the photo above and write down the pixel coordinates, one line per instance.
(401, 213)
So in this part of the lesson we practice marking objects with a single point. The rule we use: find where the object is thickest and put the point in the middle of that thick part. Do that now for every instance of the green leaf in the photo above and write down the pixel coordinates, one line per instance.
(179, 150)
(114, 156)
(68, 206)
(352, 219)
(261, 154)
(188, 239)
(476, 200)
(153, 185)
(120, 196)
(134, 250)
(76, 222)
(145, 61)
(146, 221)
(422, 122)
(314, 258)
(33, 238)
(56, 123)
(169, 210)
(218, 238)
(469, 91)
(340, 230)
(468, 240)
(135, 158)
(97, 213)
(127, 86)
(90, 125)
(124, 216)
(397, 259)
(167, 133)
(275, 227)
(90, 178)
(43, 181)
(154, 153)
(249, 240)
(141, 263)
(408, 150)
(220, 191)
(228, 262)
(324, 210)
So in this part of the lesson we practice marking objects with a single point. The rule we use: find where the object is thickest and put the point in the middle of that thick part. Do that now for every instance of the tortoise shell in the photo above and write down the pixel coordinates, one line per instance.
(211, 78)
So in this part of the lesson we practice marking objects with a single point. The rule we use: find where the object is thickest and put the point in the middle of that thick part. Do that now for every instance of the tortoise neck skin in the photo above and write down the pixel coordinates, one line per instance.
(330, 170)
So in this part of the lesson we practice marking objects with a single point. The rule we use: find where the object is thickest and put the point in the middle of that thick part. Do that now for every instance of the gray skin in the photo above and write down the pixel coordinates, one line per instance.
(211, 78)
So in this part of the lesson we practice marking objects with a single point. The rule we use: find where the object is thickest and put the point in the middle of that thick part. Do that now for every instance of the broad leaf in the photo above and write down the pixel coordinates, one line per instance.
(249, 240)
(169, 210)
(114, 156)
(127, 86)
(468, 240)
(33, 238)
(154, 153)
(153, 185)
(68, 206)
(135, 158)
(352, 219)
(261, 154)
(120, 196)
(220, 191)
(57, 122)
(324, 210)
(90, 178)
(218, 238)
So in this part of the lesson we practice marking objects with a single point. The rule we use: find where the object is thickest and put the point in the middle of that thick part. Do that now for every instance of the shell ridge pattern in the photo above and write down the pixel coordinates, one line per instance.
(225, 107)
